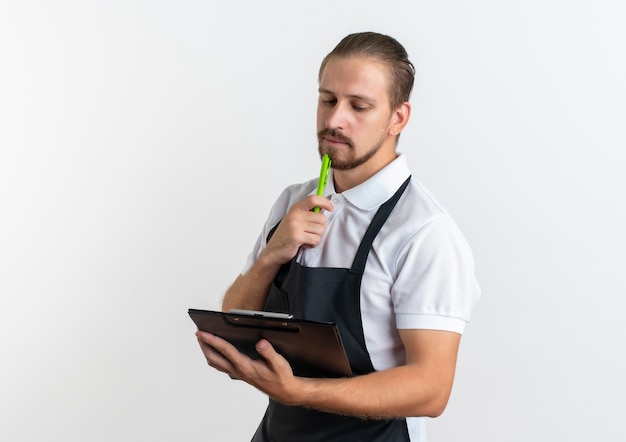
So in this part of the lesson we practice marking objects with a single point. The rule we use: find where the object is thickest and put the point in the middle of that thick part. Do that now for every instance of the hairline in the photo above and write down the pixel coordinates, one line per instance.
(365, 56)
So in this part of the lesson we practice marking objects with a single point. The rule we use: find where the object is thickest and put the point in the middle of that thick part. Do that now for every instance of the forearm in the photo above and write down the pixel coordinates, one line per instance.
(421, 387)
(249, 291)
(394, 393)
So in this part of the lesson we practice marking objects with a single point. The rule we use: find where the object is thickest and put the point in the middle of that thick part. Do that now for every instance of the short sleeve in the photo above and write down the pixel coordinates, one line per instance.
(435, 287)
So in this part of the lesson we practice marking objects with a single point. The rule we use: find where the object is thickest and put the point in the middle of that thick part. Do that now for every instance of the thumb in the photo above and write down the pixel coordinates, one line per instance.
(265, 349)
(274, 360)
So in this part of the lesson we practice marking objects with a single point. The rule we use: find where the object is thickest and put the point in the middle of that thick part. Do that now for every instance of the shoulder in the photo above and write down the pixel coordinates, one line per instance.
(433, 265)
(421, 228)
(419, 208)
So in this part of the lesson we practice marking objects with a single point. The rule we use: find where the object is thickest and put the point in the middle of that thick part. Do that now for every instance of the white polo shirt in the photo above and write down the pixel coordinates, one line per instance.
(419, 272)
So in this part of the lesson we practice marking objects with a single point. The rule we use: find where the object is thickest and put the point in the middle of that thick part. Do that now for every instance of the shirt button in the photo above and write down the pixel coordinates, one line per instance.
(335, 201)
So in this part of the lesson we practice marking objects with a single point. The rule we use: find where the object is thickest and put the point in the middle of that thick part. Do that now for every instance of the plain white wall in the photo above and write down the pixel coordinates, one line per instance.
(142, 143)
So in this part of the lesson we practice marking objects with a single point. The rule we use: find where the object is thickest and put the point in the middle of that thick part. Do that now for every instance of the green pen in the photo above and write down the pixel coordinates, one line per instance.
(323, 178)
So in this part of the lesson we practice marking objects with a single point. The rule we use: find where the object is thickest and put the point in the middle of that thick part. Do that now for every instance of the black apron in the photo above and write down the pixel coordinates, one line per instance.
(332, 295)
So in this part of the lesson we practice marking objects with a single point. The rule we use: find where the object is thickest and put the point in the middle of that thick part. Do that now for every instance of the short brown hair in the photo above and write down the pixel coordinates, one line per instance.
(386, 49)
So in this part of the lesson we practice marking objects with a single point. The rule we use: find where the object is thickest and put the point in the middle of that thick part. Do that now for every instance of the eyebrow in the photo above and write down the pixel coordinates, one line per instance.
(354, 96)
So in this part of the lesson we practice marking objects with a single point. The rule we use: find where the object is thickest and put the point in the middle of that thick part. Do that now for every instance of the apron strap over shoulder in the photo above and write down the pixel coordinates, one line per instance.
(358, 265)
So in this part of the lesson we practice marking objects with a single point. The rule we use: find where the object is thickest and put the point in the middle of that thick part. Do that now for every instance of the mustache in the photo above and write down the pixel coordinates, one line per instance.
(334, 134)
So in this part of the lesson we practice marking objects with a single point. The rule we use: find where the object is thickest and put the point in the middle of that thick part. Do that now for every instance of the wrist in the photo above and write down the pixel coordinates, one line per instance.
(269, 261)
(302, 392)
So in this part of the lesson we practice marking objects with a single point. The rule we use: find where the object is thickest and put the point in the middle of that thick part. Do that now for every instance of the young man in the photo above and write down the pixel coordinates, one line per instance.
(401, 293)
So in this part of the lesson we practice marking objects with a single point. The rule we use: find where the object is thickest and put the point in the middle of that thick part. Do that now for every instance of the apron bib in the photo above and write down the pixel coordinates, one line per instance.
(329, 295)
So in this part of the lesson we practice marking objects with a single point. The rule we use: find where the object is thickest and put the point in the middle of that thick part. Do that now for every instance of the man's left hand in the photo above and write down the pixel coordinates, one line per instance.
(272, 374)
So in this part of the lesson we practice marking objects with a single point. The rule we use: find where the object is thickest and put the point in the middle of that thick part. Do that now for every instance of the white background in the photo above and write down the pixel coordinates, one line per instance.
(142, 143)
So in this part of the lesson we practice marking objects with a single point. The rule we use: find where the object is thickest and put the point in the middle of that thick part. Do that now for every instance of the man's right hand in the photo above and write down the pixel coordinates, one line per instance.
(300, 227)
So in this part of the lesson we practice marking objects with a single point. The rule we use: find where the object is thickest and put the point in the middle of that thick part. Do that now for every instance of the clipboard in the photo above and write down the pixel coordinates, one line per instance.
(314, 349)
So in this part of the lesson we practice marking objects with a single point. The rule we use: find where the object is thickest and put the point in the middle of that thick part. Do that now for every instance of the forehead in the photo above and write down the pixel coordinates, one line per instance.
(360, 76)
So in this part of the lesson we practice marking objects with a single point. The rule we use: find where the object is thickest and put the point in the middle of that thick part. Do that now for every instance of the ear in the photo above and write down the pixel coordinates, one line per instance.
(399, 118)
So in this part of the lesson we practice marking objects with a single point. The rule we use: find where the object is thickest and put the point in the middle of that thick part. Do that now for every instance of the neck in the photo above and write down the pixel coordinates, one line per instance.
(347, 179)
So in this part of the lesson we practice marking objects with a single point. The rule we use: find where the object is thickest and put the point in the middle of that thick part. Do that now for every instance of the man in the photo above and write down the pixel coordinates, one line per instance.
(401, 293)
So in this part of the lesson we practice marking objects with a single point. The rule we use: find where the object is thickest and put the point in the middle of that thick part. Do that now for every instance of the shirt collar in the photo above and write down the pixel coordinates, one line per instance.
(379, 188)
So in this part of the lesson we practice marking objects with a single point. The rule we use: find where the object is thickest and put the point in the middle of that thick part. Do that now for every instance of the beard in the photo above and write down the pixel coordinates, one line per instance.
(344, 158)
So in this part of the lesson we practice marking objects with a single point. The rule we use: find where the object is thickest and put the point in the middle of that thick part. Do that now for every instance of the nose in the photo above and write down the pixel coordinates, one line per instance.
(336, 117)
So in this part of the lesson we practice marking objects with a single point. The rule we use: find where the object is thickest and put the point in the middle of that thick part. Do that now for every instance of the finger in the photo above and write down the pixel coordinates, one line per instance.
(311, 239)
(221, 345)
(296, 232)
(216, 360)
(274, 360)
(307, 204)
(215, 352)
(319, 201)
